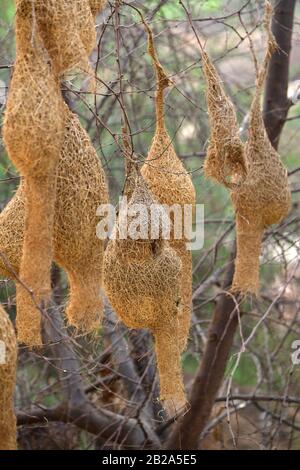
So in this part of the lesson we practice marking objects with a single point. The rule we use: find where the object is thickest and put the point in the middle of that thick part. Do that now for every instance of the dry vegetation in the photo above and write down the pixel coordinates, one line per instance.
(101, 391)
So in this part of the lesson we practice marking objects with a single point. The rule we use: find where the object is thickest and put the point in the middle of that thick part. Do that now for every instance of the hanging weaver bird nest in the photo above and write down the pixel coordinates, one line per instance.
(81, 188)
(170, 184)
(33, 132)
(264, 197)
(68, 31)
(8, 361)
(34, 118)
(97, 5)
(142, 282)
(225, 159)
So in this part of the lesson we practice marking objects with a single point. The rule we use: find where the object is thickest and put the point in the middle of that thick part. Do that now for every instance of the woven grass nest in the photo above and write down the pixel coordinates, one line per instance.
(170, 184)
(34, 132)
(262, 196)
(66, 28)
(142, 282)
(8, 363)
(225, 159)
(81, 188)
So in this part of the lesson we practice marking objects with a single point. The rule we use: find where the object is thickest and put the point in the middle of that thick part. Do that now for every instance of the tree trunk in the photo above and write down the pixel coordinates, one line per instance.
(276, 102)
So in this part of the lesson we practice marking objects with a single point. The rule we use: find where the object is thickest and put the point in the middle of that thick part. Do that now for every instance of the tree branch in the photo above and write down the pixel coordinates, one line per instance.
(75, 407)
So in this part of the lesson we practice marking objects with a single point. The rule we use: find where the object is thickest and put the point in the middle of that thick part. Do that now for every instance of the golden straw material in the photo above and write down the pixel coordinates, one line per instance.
(185, 290)
(170, 184)
(37, 255)
(8, 362)
(97, 5)
(81, 188)
(33, 133)
(225, 160)
(67, 30)
(264, 197)
(142, 283)
(52, 36)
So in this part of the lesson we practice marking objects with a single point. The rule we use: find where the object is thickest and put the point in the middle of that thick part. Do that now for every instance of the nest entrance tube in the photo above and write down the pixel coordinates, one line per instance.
(168, 357)
(249, 239)
(8, 364)
(170, 184)
(35, 266)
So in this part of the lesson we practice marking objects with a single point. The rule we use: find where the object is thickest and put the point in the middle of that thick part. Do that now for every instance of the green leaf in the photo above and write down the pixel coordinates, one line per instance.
(211, 5)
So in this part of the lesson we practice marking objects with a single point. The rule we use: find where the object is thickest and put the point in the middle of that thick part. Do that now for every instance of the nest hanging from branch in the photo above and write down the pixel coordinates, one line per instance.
(142, 282)
(170, 184)
(8, 364)
(81, 188)
(253, 172)
(264, 197)
(34, 131)
(225, 160)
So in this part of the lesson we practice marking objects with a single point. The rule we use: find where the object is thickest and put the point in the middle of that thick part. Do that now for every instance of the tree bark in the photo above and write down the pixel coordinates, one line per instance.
(276, 102)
